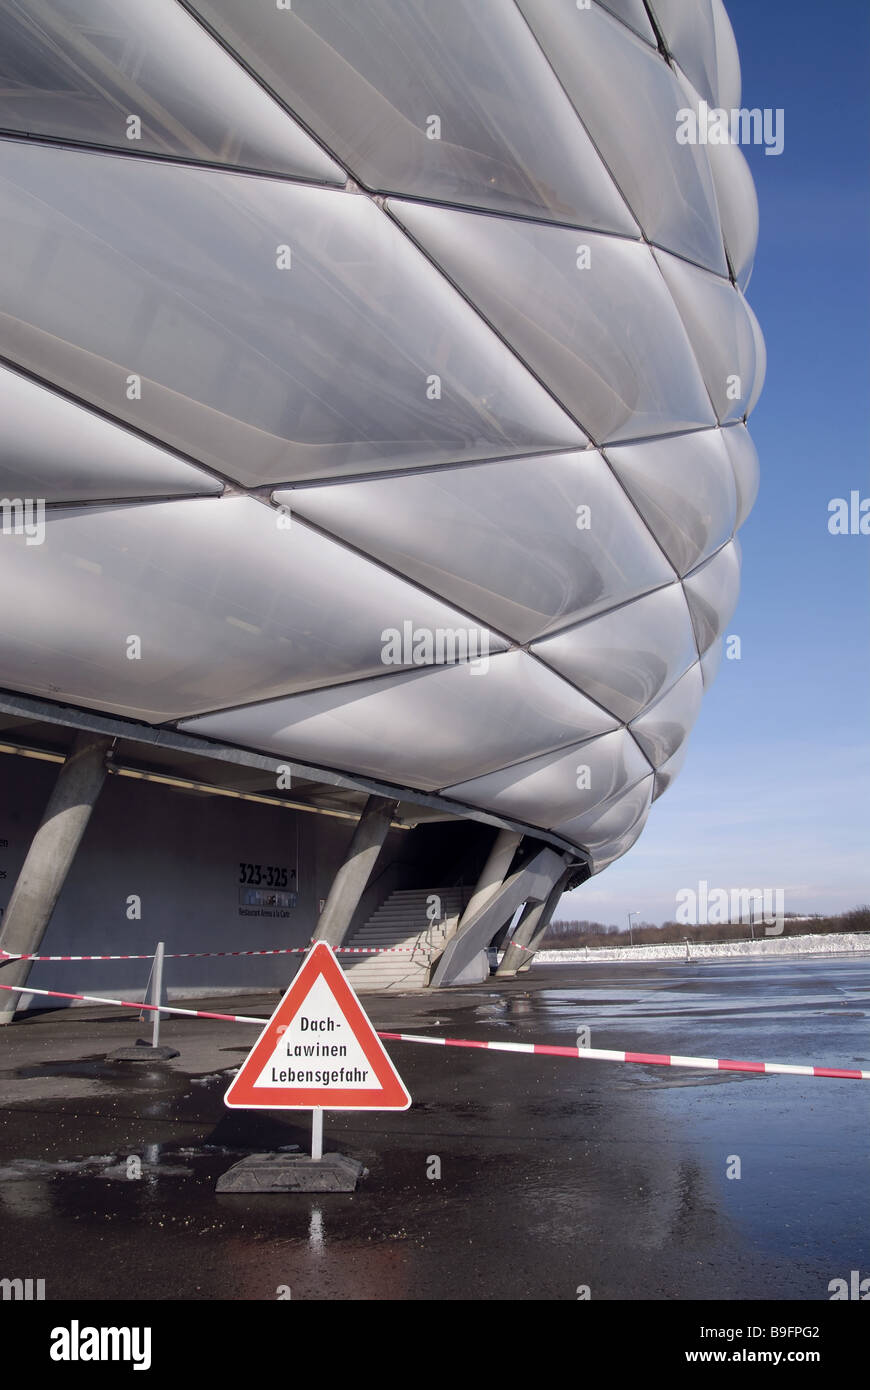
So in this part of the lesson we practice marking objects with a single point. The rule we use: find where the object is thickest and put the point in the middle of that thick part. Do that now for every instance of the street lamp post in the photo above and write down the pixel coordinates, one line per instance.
(630, 932)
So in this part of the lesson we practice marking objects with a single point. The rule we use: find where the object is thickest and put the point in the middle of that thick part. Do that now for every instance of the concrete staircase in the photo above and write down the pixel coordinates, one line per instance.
(402, 920)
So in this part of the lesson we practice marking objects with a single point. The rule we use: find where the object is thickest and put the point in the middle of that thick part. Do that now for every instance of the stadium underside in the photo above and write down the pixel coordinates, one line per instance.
(363, 842)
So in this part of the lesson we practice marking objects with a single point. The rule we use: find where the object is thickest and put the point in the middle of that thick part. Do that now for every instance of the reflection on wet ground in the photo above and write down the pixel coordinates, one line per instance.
(553, 1173)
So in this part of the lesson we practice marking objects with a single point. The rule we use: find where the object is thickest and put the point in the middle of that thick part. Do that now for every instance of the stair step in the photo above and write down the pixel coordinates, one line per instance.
(401, 924)
(411, 923)
(413, 907)
(373, 935)
(424, 893)
(401, 931)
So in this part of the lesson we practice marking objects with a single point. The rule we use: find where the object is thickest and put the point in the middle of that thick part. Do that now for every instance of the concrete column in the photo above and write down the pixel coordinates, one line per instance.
(529, 884)
(537, 940)
(492, 875)
(349, 883)
(531, 930)
(523, 931)
(52, 851)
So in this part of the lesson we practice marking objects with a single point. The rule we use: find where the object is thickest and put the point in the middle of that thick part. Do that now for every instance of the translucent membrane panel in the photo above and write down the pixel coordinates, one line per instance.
(664, 728)
(526, 546)
(738, 207)
(727, 56)
(632, 13)
(271, 330)
(597, 828)
(670, 771)
(724, 334)
(615, 849)
(710, 663)
(684, 490)
(425, 729)
(54, 449)
(626, 658)
(145, 78)
(451, 101)
(546, 791)
(628, 99)
(226, 606)
(735, 195)
(712, 592)
(590, 314)
(732, 179)
(760, 358)
(744, 460)
(700, 37)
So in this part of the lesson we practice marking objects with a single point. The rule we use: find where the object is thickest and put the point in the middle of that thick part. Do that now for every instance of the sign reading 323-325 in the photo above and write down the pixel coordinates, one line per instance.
(264, 875)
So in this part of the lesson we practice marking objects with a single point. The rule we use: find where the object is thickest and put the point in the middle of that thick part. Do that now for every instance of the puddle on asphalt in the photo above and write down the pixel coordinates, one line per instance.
(155, 1160)
(194, 1150)
(672, 1083)
(24, 1169)
(95, 1068)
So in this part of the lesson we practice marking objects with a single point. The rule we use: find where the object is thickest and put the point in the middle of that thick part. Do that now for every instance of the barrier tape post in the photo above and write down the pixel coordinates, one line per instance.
(156, 993)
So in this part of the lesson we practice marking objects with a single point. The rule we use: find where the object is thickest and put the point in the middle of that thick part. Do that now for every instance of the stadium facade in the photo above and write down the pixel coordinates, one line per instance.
(374, 384)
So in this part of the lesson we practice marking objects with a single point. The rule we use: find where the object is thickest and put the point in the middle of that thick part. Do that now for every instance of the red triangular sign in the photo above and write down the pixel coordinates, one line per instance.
(318, 1049)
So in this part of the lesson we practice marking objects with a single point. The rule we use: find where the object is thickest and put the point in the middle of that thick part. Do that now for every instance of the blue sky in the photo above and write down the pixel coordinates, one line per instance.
(775, 791)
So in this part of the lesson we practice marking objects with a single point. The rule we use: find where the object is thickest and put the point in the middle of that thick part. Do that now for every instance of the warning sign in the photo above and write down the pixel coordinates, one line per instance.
(318, 1049)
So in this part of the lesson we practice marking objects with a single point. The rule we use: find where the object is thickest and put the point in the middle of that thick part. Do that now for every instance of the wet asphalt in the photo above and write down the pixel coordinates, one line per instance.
(555, 1175)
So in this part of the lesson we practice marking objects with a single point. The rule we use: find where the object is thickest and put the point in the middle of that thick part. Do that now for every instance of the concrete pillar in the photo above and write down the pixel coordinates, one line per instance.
(531, 930)
(537, 940)
(529, 884)
(350, 882)
(492, 875)
(52, 851)
(523, 931)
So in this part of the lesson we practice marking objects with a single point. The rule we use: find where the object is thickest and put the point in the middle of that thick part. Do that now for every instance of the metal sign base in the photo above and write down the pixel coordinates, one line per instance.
(292, 1173)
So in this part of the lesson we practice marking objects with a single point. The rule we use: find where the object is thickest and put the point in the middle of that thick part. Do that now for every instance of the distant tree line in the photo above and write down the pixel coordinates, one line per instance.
(571, 934)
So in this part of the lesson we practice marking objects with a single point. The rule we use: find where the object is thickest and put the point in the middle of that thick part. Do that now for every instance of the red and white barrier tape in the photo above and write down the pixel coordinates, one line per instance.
(597, 1054)
(199, 955)
(134, 1004)
(594, 1054)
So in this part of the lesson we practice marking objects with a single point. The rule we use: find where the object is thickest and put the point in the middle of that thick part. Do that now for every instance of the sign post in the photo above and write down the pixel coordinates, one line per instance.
(316, 1134)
